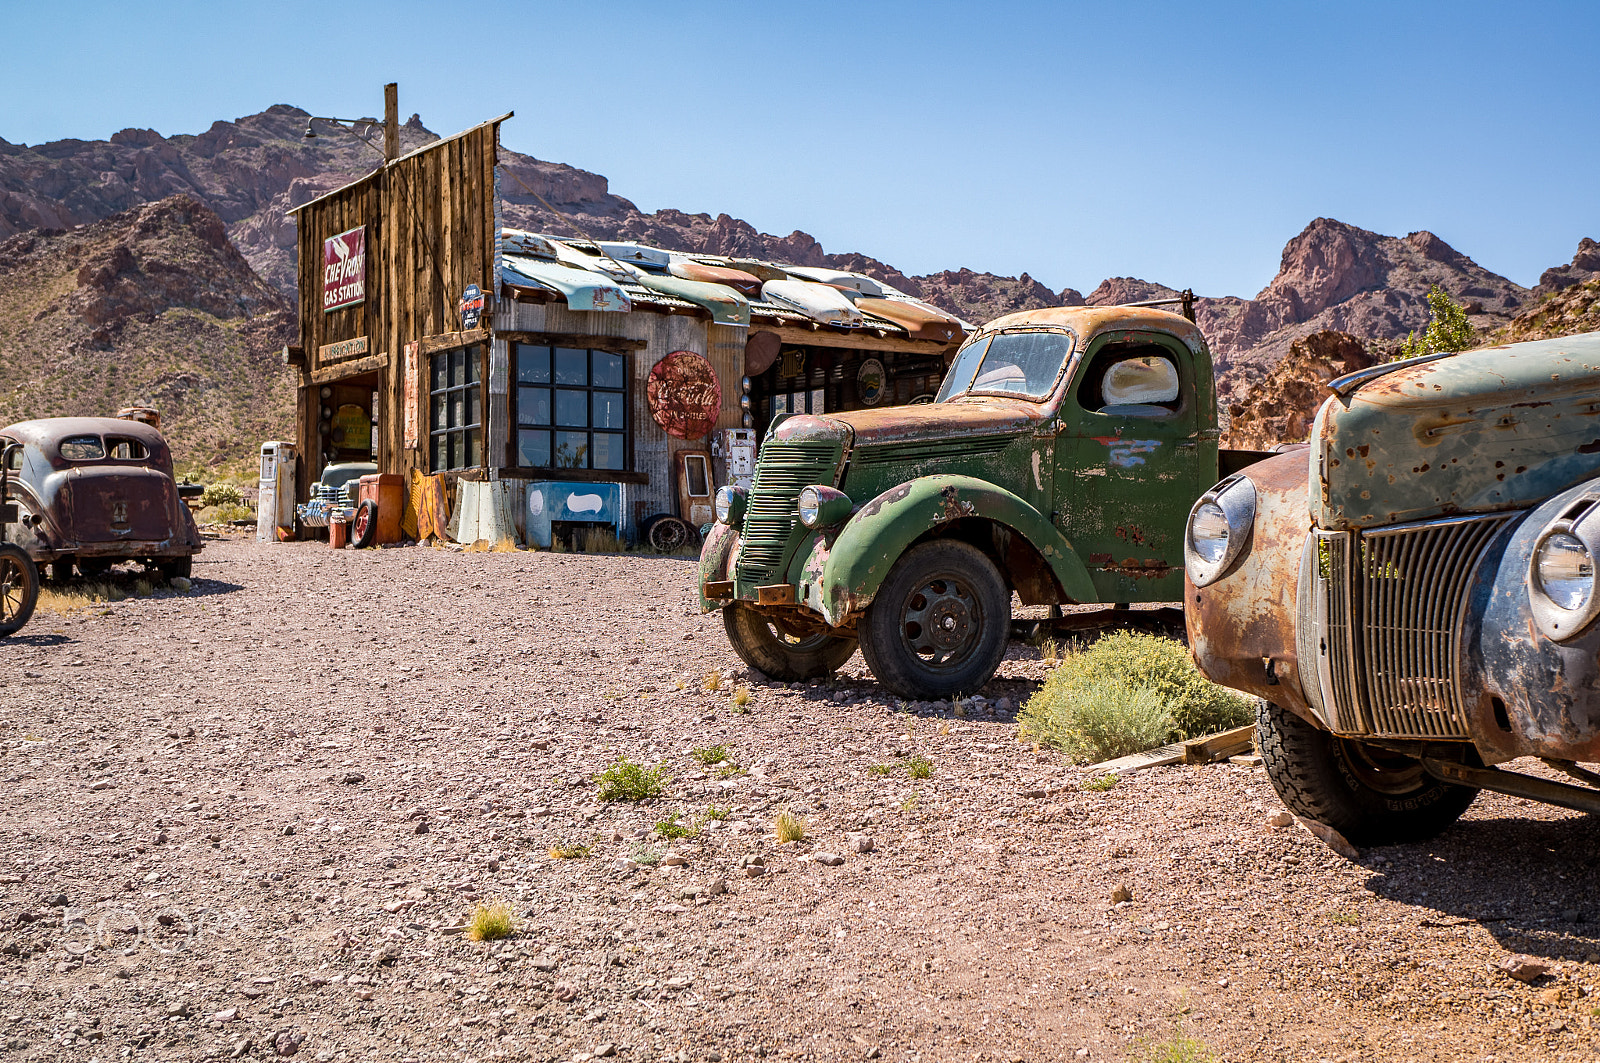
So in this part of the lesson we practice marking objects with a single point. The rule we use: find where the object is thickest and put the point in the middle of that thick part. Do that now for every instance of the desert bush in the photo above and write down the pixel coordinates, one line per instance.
(221, 494)
(627, 781)
(1448, 328)
(491, 922)
(1128, 692)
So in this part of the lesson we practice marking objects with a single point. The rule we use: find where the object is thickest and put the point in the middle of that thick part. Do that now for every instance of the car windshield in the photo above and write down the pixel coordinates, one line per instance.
(1024, 364)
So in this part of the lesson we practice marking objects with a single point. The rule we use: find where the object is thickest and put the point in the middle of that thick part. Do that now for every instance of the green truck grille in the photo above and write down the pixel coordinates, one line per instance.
(770, 520)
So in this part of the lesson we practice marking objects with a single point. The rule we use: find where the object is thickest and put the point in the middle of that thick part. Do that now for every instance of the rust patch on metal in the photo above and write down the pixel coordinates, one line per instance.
(954, 508)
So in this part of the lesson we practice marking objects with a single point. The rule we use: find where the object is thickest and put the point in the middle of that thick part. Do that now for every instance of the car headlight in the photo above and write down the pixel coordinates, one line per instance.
(1561, 586)
(729, 505)
(821, 506)
(1219, 528)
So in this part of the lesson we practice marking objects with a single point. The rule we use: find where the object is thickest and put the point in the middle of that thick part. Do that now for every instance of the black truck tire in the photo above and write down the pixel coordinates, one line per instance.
(767, 648)
(1369, 795)
(19, 587)
(174, 567)
(939, 624)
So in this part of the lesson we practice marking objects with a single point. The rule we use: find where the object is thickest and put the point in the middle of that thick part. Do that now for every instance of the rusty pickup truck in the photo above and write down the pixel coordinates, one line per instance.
(1058, 461)
(1414, 596)
(93, 491)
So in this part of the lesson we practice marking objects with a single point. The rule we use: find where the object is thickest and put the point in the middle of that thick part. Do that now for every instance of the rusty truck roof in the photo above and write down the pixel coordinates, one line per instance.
(1089, 321)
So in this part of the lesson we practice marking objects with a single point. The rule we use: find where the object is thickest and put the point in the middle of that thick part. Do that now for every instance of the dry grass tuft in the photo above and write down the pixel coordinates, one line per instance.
(741, 697)
(789, 827)
(569, 851)
(714, 680)
(491, 922)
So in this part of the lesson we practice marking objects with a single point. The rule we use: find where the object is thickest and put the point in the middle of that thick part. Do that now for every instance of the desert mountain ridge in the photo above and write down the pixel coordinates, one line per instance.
(238, 179)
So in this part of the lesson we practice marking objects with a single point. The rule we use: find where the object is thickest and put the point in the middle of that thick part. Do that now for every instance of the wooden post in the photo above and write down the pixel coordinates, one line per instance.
(391, 122)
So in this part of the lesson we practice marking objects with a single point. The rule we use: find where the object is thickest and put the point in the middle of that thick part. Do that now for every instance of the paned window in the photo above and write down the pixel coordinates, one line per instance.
(455, 388)
(571, 408)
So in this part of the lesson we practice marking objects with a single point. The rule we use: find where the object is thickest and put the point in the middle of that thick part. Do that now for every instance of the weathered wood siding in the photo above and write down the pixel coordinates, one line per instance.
(431, 231)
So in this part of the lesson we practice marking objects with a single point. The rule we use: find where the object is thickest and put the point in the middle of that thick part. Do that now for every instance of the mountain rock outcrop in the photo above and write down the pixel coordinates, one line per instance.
(1585, 265)
(153, 306)
(1280, 407)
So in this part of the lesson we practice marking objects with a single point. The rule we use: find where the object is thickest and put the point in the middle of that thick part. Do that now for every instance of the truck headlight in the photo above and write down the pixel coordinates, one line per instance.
(1219, 528)
(729, 505)
(1561, 587)
(821, 506)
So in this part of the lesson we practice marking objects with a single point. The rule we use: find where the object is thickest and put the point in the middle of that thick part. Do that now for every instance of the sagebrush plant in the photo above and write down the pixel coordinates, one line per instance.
(1143, 685)
(1448, 328)
(221, 494)
(789, 827)
(626, 781)
(491, 922)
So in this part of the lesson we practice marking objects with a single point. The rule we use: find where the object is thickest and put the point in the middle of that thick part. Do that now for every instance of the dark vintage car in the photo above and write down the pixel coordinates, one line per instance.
(93, 491)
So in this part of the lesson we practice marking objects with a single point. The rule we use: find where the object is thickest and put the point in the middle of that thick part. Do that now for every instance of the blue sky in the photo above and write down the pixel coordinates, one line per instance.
(1182, 143)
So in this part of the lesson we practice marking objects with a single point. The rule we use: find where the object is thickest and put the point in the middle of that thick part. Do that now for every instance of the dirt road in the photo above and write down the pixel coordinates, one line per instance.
(248, 821)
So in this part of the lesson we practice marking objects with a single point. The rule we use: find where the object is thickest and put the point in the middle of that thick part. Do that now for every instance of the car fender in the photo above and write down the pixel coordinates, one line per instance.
(717, 557)
(858, 561)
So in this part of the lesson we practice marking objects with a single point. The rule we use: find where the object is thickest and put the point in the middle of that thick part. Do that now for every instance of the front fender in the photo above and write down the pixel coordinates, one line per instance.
(716, 561)
(859, 559)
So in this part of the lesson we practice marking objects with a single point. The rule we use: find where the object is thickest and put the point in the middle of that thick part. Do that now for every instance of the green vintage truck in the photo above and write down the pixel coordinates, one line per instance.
(1058, 461)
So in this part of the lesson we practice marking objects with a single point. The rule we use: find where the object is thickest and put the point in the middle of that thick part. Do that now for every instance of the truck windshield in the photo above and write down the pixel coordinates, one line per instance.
(1025, 364)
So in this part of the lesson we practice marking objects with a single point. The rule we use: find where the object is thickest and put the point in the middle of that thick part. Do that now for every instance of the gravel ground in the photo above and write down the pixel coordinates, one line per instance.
(249, 821)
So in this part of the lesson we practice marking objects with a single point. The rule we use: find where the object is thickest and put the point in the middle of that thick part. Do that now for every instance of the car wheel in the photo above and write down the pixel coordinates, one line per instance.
(19, 587)
(364, 529)
(938, 625)
(1368, 794)
(173, 567)
(668, 534)
(780, 651)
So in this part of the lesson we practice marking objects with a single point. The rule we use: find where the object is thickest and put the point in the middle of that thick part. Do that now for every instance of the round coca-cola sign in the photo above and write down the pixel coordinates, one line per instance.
(684, 394)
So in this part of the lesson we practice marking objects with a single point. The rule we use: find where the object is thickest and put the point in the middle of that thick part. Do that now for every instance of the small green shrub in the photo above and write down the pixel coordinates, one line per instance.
(1102, 784)
(627, 781)
(1178, 1047)
(221, 494)
(711, 754)
(569, 850)
(882, 769)
(672, 829)
(919, 767)
(1448, 328)
(491, 922)
(1116, 693)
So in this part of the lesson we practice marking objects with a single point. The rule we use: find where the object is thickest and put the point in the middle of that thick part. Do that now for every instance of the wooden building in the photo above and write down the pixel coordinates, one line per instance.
(435, 340)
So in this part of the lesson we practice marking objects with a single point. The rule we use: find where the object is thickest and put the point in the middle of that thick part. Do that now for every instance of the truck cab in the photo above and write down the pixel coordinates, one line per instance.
(1057, 462)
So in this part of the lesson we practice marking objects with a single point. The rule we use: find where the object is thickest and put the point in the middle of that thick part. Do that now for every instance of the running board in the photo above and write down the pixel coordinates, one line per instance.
(1577, 798)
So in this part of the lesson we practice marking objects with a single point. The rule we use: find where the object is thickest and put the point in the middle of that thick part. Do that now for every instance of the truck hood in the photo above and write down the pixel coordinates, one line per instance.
(955, 421)
(1496, 429)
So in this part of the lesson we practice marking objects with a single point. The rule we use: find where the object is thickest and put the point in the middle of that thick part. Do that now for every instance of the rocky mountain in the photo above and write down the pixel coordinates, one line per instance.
(1280, 407)
(1573, 309)
(152, 306)
(249, 172)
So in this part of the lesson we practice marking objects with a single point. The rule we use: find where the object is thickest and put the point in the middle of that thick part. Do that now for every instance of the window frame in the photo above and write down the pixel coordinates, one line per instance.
(516, 425)
(472, 360)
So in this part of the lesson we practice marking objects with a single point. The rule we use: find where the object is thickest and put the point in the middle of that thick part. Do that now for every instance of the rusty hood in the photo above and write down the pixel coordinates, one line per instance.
(962, 419)
(1500, 428)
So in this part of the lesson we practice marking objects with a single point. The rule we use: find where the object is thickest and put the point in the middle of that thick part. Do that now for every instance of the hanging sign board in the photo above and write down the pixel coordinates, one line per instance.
(344, 269)
(413, 414)
(685, 396)
(471, 307)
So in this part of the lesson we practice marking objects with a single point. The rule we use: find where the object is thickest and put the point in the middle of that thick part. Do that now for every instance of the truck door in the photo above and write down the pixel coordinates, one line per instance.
(1128, 464)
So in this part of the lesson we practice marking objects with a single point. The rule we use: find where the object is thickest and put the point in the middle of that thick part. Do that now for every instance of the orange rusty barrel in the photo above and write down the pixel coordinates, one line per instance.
(387, 490)
(338, 532)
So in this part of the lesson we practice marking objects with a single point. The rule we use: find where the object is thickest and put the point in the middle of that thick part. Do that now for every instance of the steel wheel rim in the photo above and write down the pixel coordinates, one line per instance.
(1394, 774)
(795, 643)
(13, 589)
(941, 622)
(669, 535)
(358, 530)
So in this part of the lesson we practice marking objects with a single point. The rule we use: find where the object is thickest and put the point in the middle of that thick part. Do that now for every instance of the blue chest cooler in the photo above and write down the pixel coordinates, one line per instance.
(554, 506)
